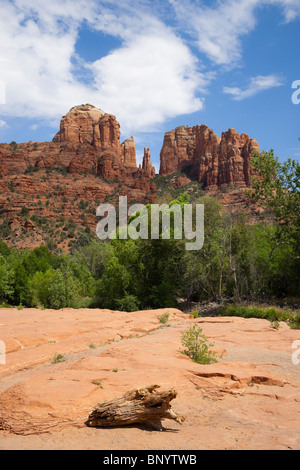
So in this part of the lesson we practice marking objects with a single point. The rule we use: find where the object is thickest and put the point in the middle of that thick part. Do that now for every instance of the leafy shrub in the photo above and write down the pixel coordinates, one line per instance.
(195, 314)
(58, 358)
(30, 170)
(6, 278)
(197, 346)
(270, 314)
(163, 319)
(13, 144)
(129, 303)
(5, 230)
(24, 211)
(274, 315)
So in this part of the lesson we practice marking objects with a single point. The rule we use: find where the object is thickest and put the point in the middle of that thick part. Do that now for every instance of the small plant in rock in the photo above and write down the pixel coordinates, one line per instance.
(98, 383)
(58, 358)
(197, 346)
(275, 324)
(195, 314)
(163, 319)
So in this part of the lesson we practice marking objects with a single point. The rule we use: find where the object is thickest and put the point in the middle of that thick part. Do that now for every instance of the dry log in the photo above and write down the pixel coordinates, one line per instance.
(139, 406)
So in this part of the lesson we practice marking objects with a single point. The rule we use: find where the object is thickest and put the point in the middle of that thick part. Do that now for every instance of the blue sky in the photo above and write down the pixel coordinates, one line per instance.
(155, 65)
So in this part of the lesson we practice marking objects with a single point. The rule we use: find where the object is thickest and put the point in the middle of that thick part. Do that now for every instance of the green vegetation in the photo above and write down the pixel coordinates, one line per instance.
(274, 315)
(162, 182)
(195, 314)
(38, 278)
(197, 346)
(98, 383)
(58, 358)
(130, 275)
(164, 318)
(278, 188)
(239, 260)
(13, 145)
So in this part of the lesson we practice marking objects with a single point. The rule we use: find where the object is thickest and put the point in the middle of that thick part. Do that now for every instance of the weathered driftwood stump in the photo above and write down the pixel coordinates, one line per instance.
(139, 406)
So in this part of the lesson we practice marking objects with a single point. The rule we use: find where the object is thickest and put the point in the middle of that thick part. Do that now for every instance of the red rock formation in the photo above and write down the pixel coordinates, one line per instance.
(3, 169)
(88, 142)
(128, 155)
(80, 125)
(210, 159)
(147, 165)
(84, 165)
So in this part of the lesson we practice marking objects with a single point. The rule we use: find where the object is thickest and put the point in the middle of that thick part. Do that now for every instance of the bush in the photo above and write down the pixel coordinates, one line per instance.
(274, 315)
(4, 249)
(296, 324)
(129, 303)
(63, 289)
(13, 144)
(6, 279)
(24, 211)
(5, 230)
(195, 314)
(58, 358)
(164, 318)
(270, 314)
(197, 347)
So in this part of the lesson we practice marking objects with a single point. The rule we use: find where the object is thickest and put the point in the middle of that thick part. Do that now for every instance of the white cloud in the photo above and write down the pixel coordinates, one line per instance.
(151, 77)
(35, 58)
(218, 29)
(256, 85)
(2, 123)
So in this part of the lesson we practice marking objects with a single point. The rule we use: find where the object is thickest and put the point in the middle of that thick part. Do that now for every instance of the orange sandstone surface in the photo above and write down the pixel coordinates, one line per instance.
(248, 400)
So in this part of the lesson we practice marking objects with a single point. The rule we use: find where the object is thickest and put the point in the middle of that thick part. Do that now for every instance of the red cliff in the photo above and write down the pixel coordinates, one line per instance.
(88, 142)
(211, 160)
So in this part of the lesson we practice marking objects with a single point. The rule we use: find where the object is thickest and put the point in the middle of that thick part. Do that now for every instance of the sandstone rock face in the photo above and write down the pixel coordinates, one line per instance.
(88, 141)
(147, 165)
(80, 125)
(128, 156)
(84, 165)
(248, 400)
(3, 169)
(205, 156)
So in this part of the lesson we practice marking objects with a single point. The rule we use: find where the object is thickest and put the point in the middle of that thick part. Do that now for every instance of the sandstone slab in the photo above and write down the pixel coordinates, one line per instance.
(249, 399)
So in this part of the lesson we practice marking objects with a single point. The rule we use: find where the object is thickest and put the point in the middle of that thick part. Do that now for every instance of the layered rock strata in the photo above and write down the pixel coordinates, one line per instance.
(88, 142)
(205, 156)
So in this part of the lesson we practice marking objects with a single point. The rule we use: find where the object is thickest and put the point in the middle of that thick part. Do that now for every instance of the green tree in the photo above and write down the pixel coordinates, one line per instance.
(4, 249)
(38, 287)
(206, 270)
(6, 279)
(121, 276)
(277, 188)
(93, 256)
(63, 289)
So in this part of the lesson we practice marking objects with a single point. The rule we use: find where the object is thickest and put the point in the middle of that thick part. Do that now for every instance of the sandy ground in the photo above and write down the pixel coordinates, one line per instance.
(248, 400)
